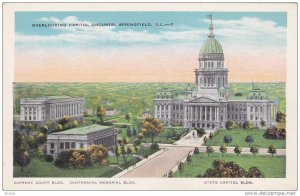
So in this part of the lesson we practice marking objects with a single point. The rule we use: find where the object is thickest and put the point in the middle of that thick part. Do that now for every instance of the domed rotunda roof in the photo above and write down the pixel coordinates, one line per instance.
(211, 46)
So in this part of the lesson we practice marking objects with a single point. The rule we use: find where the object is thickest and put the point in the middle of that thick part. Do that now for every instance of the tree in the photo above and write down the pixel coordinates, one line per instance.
(237, 150)
(101, 113)
(211, 135)
(280, 117)
(205, 139)
(75, 123)
(209, 150)
(134, 132)
(230, 125)
(32, 142)
(123, 151)
(196, 150)
(59, 127)
(129, 150)
(272, 150)
(247, 125)
(249, 139)
(189, 159)
(227, 139)
(254, 150)
(152, 127)
(223, 149)
(128, 132)
(116, 151)
(222, 169)
(262, 123)
(21, 156)
(137, 142)
(41, 138)
(140, 136)
(170, 174)
(127, 117)
(97, 153)
(180, 167)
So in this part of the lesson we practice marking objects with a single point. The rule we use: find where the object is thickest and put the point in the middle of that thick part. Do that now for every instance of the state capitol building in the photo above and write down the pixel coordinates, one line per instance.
(208, 105)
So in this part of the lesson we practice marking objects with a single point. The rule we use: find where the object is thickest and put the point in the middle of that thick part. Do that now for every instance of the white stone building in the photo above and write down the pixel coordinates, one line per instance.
(209, 105)
(50, 108)
(81, 138)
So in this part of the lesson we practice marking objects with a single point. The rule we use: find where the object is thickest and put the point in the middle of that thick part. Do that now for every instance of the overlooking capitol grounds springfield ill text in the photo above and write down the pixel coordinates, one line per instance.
(172, 97)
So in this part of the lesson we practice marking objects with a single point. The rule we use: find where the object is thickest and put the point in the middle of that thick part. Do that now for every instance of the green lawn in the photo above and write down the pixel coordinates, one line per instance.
(239, 136)
(165, 136)
(40, 168)
(272, 167)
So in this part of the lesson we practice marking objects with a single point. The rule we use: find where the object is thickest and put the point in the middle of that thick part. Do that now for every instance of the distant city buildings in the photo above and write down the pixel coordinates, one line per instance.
(208, 104)
(81, 138)
(50, 108)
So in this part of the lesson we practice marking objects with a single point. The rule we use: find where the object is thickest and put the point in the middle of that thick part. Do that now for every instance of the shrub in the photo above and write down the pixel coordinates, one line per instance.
(209, 150)
(222, 169)
(32, 142)
(211, 135)
(170, 174)
(254, 150)
(247, 125)
(97, 153)
(137, 142)
(275, 133)
(154, 146)
(200, 131)
(63, 159)
(272, 150)
(49, 158)
(237, 150)
(238, 94)
(230, 125)
(80, 159)
(40, 153)
(223, 149)
(249, 139)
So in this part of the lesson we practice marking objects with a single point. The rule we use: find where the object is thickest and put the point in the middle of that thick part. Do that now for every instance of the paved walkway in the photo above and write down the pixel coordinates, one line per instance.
(161, 164)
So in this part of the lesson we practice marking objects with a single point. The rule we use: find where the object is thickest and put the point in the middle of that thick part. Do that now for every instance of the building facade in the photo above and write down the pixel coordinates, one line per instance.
(81, 138)
(50, 108)
(208, 104)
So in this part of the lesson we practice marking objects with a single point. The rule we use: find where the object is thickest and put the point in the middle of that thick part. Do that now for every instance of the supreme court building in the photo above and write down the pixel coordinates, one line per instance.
(42, 109)
(208, 104)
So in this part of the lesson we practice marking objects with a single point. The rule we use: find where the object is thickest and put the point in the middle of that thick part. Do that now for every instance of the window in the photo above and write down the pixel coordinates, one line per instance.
(52, 145)
(62, 145)
(81, 145)
(72, 145)
(67, 145)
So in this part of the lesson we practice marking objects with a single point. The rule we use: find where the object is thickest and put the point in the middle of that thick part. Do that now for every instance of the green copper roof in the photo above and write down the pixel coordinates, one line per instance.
(211, 45)
(83, 130)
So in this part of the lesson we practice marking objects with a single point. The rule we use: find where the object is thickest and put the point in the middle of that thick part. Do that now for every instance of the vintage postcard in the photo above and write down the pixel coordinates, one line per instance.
(150, 96)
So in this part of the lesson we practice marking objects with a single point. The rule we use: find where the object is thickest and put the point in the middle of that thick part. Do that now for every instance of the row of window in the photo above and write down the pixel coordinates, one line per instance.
(208, 64)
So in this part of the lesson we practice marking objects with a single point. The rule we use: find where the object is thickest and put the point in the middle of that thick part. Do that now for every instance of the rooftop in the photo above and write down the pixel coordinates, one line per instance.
(83, 130)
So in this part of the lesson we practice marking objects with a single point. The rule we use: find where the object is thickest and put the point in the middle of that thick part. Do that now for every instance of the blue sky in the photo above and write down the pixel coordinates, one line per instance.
(189, 23)
(251, 41)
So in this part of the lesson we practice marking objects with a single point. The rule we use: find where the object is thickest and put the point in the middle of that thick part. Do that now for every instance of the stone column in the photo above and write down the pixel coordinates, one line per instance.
(185, 112)
(215, 110)
(196, 113)
(210, 113)
(218, 108)
(205, 114)
(200, 113)
(155, 111)
(159, 111)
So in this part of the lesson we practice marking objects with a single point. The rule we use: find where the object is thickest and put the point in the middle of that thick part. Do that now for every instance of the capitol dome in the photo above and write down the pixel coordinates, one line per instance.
(211, 46)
